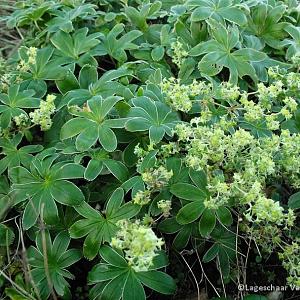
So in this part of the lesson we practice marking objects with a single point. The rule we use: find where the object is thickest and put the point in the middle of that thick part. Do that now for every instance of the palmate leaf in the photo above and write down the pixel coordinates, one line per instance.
(29, 14)
(115, 47)
(219, 52)
(218, 10)
(193, 208)
(152, 116)
(294, 43)
(99, 228)
(224, 247)
(13, 156)
(88, 85)
(46, 67)
(44, 184)
(92, 125)
(64, 18)
(14, 102)
(183, 232)
(75, 48)
(59, 258)
(138, 17)
(116, 280)
(265, 23)
(102, 163)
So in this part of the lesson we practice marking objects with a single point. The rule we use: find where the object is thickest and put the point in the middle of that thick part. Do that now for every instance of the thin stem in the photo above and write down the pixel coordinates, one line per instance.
(21, 290)
(202, 269)
(45, 254)
(195, 279)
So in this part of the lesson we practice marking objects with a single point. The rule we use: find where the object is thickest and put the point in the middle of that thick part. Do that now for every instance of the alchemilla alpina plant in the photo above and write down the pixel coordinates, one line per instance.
(149, 149)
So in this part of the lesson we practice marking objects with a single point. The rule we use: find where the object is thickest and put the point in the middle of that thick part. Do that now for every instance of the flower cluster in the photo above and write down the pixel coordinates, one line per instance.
(245, 163)
(291, 261)
(288, 157)
(219, 193)
(42, 116)
(296, 60)
(142, 198)
(179, 54)
(165, 207)
(157, 178)
(21, 120)
(266, 210)
(139, 243)
(181, 96)
(25, 64)
(228, 91)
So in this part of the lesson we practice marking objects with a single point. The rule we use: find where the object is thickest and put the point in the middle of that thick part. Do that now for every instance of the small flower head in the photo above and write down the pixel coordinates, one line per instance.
(21, 120)
(179, 54)
(165, 207)
(42, 116)
(139, 243)
(157, 178)
(142, 198)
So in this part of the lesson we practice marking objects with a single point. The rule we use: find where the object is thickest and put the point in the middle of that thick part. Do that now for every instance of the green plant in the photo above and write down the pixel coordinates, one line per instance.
(114, 272)
(162, 135)
(49, 261)
(98, 228)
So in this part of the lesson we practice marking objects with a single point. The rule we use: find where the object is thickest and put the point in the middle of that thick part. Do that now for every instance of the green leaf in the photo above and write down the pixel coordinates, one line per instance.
(69, 257)
(104, 272)
(31, 212)
(58, 259)
(112, 257)
(93, 241)
(154, 116)
(114, 289)
(66, 192)
(73, 127)
(93, 169)
(188, 192)
(70, 171)
(133, 289)
(126, 211)
(234, 15)
(190, 212)
(211, 253)
(294, 201)
(216, 10)
(116, 47)
(198, 178)
(115, 201)
(169, 225)
(88, 75)
(107, 138)
(138, 124)
(60, 243)
(156, 134)
(207, 222)
(201, 13)
(158, 53)
(158, 281)
(224, 262)
(224, 215)
(68, 83)
(74, 46)
(87, 138)
(81, 228)
(6, 235)
(219, 53)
